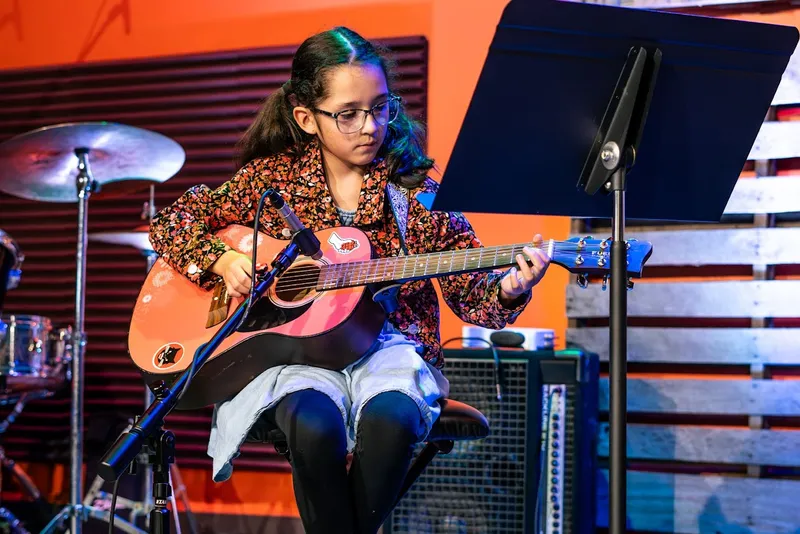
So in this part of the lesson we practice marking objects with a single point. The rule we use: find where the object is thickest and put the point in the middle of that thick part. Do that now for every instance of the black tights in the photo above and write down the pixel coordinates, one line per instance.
(330, 500)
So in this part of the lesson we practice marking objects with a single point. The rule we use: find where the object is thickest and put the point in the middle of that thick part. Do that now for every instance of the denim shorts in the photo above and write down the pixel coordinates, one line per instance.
(393, 363)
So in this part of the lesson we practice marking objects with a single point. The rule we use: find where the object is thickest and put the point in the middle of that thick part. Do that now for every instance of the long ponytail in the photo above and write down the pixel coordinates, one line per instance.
(274, 129)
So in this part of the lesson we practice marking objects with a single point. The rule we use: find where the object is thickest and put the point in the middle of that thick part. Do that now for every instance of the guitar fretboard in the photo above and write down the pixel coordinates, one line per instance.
(413, 267)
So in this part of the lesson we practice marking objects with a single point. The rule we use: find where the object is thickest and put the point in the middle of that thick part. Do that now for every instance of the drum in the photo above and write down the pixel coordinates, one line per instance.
(33, 355)
(11, 259)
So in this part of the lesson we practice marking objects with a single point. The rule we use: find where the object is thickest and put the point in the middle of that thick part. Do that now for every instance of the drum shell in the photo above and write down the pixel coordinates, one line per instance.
(33, 354)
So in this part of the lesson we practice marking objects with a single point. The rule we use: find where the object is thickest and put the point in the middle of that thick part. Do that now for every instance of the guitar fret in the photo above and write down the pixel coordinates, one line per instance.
(363, 273)
(337, 276)
(366, 271)
(381, 263)
(351, 274)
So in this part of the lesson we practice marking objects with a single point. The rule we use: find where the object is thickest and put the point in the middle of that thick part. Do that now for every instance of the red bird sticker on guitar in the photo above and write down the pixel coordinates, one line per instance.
(168, 355)
(343, 246)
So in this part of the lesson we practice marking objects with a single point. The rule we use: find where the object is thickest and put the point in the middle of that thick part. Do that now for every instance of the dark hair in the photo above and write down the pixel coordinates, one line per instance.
(275, 131)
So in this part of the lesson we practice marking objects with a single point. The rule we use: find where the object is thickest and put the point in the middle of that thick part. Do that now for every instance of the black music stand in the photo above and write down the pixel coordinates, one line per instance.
(564, 96)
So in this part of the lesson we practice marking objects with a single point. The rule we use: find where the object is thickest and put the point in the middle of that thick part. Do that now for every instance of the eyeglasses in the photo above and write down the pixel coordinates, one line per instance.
(352, 120)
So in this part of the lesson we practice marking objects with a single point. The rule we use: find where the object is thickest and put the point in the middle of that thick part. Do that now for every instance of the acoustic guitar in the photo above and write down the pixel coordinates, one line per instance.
(324, 312)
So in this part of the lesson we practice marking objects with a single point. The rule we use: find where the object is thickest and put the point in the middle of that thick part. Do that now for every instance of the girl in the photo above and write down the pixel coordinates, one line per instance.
(329, 141)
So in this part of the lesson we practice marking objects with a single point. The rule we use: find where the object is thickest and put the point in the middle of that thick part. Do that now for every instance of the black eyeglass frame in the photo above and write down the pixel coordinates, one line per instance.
(365, 112)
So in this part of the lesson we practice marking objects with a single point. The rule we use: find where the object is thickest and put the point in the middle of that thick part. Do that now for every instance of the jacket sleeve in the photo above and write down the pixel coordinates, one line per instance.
(473, 297)
(183, 234)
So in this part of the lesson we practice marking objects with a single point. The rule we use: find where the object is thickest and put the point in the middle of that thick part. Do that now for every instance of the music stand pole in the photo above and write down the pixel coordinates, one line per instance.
(618, 326)
(611, 155)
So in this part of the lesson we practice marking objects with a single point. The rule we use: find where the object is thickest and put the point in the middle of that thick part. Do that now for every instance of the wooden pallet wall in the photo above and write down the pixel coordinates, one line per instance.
(714, 353)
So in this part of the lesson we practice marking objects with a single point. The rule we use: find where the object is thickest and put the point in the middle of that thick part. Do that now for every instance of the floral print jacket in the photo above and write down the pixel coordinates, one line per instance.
(183, 235)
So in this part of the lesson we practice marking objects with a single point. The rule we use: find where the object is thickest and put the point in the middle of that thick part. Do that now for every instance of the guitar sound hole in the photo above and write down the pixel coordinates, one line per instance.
(298, 283)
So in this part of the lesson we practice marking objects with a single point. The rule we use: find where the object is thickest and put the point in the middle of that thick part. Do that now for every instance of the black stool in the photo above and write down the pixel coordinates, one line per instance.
(457, 422)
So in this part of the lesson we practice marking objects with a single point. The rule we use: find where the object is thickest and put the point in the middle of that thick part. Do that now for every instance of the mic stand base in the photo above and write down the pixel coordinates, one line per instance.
(162, 444)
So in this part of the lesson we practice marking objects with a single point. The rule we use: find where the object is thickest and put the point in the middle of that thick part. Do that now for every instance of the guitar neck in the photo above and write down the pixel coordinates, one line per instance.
(419, 266)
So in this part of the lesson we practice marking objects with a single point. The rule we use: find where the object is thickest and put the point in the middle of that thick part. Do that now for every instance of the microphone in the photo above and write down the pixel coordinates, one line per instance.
(305, 238)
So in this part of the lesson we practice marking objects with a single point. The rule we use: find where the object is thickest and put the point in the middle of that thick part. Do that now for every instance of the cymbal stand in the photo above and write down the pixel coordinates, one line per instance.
(75, 510)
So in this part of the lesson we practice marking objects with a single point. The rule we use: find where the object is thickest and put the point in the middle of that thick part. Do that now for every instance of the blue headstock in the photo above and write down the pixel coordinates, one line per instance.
(589, 257)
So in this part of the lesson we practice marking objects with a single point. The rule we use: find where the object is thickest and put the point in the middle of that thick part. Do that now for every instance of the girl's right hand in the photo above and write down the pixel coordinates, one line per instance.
(234, 268)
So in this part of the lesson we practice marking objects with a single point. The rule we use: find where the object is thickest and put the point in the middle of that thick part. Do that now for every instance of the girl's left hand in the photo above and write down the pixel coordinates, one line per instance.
(519, 280)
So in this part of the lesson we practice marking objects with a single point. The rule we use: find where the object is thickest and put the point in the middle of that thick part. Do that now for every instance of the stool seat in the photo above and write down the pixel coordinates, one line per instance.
(457, 422)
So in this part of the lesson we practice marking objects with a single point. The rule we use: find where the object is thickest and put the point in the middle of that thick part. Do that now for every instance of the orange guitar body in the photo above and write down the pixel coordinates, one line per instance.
(291, 324)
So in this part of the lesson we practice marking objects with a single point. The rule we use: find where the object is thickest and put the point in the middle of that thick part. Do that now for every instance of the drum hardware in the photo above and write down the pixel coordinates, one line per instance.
(16, 471)
(71, 163)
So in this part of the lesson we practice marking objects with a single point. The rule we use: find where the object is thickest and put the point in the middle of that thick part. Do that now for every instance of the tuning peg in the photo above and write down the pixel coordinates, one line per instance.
(582, 281)
(629, 283)
(605, 282)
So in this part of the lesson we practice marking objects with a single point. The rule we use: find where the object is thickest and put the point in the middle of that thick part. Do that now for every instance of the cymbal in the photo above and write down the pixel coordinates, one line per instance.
(139, 238)
(42, 165)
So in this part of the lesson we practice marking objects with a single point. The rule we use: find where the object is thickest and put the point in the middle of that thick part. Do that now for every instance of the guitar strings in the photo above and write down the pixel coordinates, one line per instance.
(314, 273)
(300, 277)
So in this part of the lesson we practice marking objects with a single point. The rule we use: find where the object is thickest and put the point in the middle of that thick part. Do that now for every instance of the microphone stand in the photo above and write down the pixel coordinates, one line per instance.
(148, 427)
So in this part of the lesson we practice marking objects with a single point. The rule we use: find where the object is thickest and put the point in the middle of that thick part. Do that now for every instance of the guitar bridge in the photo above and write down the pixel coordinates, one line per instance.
(218, 311)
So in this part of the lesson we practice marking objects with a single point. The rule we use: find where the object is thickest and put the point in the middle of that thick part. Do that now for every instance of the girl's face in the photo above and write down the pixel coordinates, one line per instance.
(350, 88)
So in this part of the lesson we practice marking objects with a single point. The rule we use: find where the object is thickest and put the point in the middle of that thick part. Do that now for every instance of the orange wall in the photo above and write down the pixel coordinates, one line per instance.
(47, 32)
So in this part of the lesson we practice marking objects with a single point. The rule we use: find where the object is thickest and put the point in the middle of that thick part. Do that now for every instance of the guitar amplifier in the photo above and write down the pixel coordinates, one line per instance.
(535, 472)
